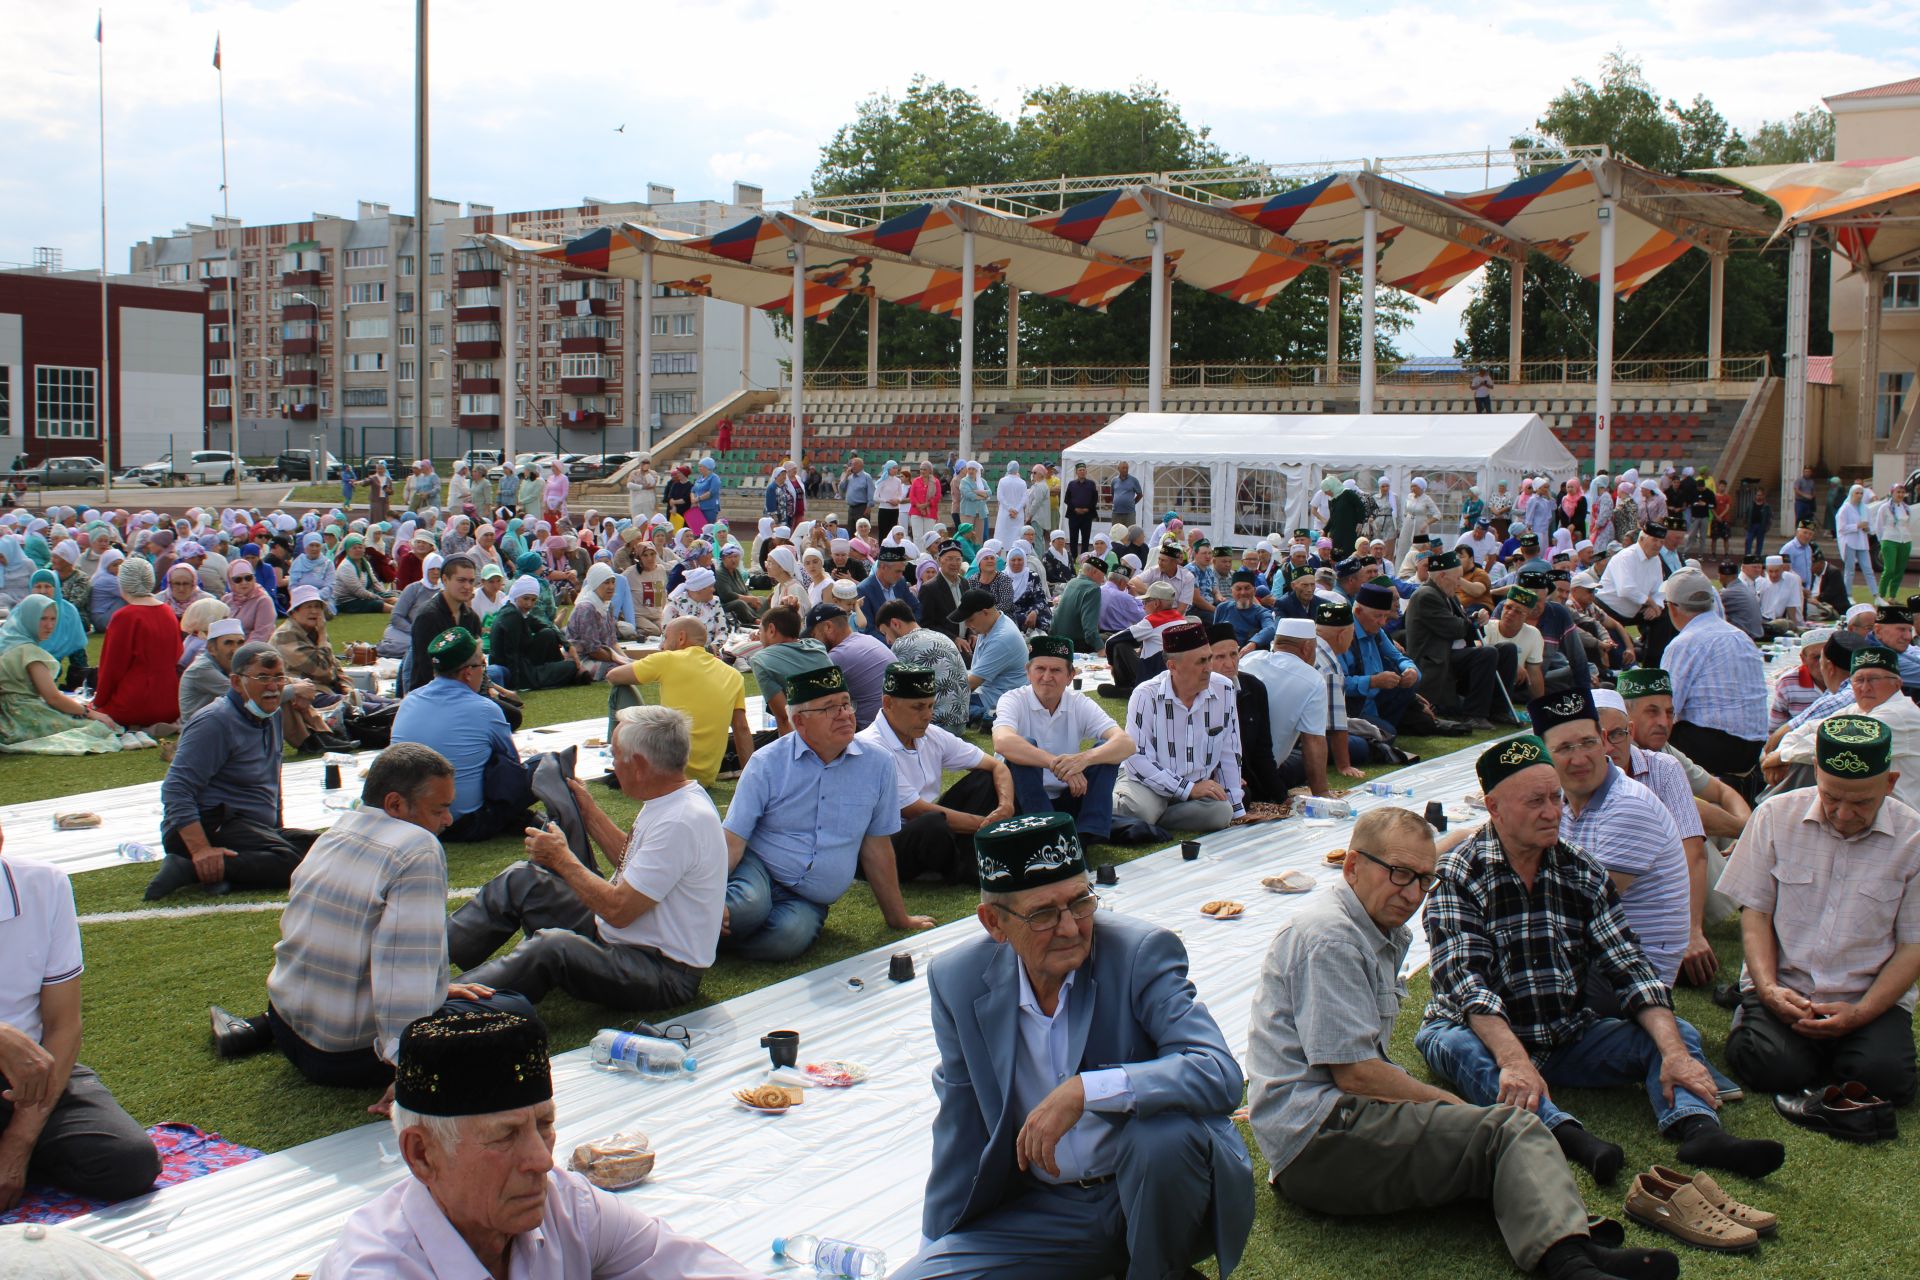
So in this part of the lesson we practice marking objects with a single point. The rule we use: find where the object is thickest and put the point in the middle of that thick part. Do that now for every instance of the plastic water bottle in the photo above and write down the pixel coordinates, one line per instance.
(832, 1257)
(642, 1055)
(134, 851)
(1389, 790)
(1328, 807)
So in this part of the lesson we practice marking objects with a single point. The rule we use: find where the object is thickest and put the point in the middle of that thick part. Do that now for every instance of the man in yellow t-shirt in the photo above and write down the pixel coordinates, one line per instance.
(692, 680)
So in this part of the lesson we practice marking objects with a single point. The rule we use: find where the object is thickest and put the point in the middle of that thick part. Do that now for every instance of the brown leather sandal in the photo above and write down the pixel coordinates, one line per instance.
(1762, 1222)
(1683, 1213)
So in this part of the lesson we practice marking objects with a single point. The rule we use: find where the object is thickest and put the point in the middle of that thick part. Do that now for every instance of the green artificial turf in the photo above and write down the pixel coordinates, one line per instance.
(149, 982)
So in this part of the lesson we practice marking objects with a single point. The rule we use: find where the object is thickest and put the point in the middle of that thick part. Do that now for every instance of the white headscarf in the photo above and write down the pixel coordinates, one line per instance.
(599, 573)
(1019, 577)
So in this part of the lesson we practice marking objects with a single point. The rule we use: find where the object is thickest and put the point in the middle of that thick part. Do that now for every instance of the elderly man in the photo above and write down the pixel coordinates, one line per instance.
(1831, 933)
(936, 823)
(1630, 590)
(474, 1118)
(1168, 567)
(1076, 614)
(1515, 627)
(1783, 597)
(221, 825)
(862, 657)
(206, 679)
(1252, 622)
(1799, 686)
(1062, 750)
(999, 653)
(1281, 700)
(888, 581)
(710, 691)
(1184, 773)
(58, 1122)
(1874, 678)
(492, 793)
(1100, 1150)
(1740, 602)
(1381, 684)
(809, 809)
(940, 595)
(1797, 551)
(1347, 1131)
(856, 487)
(363, 950)
(1648, 695)
(1893, 627)
(1460, 677)
(639, 940)
(1719, 684)
(1517, 919)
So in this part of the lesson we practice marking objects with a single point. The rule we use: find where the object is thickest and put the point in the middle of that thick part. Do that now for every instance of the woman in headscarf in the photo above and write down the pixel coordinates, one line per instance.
(972, 495)
(312, 568)
(379, 491)
(813, 575)
(36, 547)
(1056, 562)
(647, 584)
(1032, 608)
(200, 615)
(35, 716)
(1893, 524)
(1418, 512)
(783, 566)
(68, 642)
(135, 684)
(458, 536)
(16, 570)
(679, 496)
(890, 499)
(423, 488)
(590, 628)
(183, 588)
(1038, 508)
(1600, 510)
(1011, 493)
(1472, 509)
(250, 604)
(964, 535)
(1626, 513)
(553, 492)
(986, 575)
(1571, 514)
(397, 640)
(491, 595)
(1850, 534)
(459, 487)
(531, 649)
(103, 590)
(355, 589)
(1500, 508)
(704, 496)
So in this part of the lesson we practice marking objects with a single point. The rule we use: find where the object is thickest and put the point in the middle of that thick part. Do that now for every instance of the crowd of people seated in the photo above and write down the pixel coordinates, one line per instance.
(928, 721)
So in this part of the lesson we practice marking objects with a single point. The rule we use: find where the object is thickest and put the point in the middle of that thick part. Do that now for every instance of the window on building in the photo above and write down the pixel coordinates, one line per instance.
(436, 405)
(249, 402)
(436, 263)
(476, 260)
(1894, 388)
(372, 291)
(246, 270)
(1260, 502)
(364, 397)
(549, 370)
(64, 406)
(404, 406)
(369, 328)
(548, 331)
(675, 362)
(215, 268)
(436, 334)
(660, 325)
(437, 300)
(480, 404)
(404, 303)
(582, 366)
(477, 297)
(549, 294)
(176, 273)
(672, 402)
(1900, 291)
(683, 325)
(406, 264)
(366, 361)
(406, 335)
(435, 370)
(1188, 490)
(217, 335)
(308, 259)
(477, 331)
(6, 400)
(585, 327)
(251, 368)
(546, 406)
(219, 368)
(249, 303)
(248, 337)
(357, 258)
(406, 370)
(326, 398)
(218, 397)
(217, 300)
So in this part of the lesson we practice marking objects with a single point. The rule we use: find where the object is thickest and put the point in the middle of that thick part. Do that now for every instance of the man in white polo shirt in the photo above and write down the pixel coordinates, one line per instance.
(936, 824)
(1782, 596)
(58, 1123)
(1064, 752)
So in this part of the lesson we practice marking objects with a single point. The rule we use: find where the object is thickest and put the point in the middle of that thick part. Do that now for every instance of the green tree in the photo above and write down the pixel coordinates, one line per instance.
(1803, 136)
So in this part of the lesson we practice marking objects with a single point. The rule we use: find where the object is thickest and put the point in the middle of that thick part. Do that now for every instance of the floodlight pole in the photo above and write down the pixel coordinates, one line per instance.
(1716, 310)
(1333, 324)
(966, 342)
(422, 213)
(1013, 335)
(1603, 372)
(1157, 318)
(1369, 282)
(746, 346)
(799, 252)
(1793, 424)
(511, 385)
(1869, 395)
(873, 340)
(1516, 320)
(646, 343)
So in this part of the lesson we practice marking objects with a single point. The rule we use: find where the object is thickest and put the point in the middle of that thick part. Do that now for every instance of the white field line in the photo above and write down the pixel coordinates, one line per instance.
(213, 909)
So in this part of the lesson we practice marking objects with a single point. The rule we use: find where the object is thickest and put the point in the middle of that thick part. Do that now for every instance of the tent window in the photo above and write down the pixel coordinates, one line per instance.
(1187, 490)
(1259, 502)
(1448, 489)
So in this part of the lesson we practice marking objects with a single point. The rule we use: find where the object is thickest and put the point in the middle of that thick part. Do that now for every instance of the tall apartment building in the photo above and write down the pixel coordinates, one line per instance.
(343, 328)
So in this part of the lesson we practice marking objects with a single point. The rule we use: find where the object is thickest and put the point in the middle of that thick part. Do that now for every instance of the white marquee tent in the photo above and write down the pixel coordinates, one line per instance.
(1246, 475)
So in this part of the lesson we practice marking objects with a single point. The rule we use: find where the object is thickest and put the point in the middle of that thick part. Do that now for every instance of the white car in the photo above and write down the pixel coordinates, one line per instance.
(209, 466)
(152, 474)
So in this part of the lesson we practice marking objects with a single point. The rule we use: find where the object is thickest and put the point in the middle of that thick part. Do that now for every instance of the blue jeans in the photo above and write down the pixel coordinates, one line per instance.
(1612, 1052)
(765, 919)
(1092, 812)
(497, 674)
(1856, 559)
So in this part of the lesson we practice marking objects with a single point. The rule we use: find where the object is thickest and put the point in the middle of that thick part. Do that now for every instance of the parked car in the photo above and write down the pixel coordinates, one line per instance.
(586, 466)
(297, 465)
(152, 474)
(483, 459)
(210, 466)
(66, 472)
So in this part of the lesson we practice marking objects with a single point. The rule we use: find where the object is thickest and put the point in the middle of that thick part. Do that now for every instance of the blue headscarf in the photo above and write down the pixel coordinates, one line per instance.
(69, 633)
(23, 624)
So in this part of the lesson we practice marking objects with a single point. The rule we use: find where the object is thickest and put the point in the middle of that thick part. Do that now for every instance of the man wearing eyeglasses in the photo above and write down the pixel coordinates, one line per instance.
(220, 824)
(1084, 1092)
(1516, 920)
(810, 808)
(1344, 1129)
(1875, 679)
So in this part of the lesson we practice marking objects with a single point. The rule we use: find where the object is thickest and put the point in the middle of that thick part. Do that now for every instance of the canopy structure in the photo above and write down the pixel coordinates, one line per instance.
(1246, 475)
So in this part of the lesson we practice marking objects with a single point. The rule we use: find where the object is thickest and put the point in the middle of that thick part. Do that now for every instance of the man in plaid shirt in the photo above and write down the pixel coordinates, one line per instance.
(1515, 921)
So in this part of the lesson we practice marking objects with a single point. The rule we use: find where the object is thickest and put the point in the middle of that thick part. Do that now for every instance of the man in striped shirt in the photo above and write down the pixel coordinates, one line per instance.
(1795, 690)
(1719, 684)
(1185, 770)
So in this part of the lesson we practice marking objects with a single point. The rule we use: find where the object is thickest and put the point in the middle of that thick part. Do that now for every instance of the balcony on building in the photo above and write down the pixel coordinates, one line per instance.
(583, 419)
(300, 378)
(479, 422)
(475, 268)
(489, 278)
(299, 311)
(303, 412)
(296, 279)
(219, 382)
(479, 386)
(583, 335)
(476, 341)
(219, 413)
(299, 346)
(587, 386)
(301, 263)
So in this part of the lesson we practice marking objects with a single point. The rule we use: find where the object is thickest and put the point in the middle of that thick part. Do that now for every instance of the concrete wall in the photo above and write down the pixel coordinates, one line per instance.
(13, 360)
(161, 384)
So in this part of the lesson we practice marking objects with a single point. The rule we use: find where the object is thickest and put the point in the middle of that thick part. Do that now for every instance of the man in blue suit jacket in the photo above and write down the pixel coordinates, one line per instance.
(1085, 1093)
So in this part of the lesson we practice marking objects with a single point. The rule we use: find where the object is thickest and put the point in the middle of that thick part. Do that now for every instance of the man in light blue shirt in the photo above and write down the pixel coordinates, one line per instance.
(1126, 496)
(1798, 551)
(810, 808)
(857, 488)
(999, 654)
(491, 791)
(1719, 684)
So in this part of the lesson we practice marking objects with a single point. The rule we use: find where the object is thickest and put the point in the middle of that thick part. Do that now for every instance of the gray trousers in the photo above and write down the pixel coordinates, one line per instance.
(563, 947)
(1373, 1157)
(90, 1146)
(1134, 799)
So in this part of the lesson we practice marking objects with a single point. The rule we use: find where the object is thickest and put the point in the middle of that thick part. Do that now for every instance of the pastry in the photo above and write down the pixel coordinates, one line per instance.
(1222, 909)
(1288, 882)
(614, 1163)
(1336, 857)
(767, 1097)
(75, 821)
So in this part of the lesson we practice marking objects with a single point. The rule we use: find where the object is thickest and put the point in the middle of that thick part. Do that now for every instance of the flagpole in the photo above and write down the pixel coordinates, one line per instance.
(233, 269)
(105, 398)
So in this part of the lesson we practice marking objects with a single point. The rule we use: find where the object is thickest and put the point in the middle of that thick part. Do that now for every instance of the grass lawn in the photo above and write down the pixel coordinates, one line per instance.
(149, 982)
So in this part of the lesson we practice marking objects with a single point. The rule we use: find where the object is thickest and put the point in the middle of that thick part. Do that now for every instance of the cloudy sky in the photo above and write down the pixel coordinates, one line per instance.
(526, 97)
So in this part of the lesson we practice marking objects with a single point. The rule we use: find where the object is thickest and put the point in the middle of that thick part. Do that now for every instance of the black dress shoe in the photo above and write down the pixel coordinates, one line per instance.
(1133, 831)
(1727, 995)
(1831, 1112)
(1884, 1116)
(236, 1037)
(175, 873)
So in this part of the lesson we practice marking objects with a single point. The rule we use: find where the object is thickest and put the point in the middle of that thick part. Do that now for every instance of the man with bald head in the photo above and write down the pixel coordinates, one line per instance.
(1515, 922)
(709, 690)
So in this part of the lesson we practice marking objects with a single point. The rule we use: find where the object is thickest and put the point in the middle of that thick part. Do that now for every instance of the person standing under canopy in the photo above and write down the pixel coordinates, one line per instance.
(1011, 494)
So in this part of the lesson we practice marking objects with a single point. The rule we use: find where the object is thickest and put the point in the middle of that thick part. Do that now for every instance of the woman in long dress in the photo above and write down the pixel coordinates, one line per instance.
(643, 491)
(34, 715)
(1038, 511)
(137, 662)
(1012, 496)
(379, 492)
(553, 493)
(1417, 513)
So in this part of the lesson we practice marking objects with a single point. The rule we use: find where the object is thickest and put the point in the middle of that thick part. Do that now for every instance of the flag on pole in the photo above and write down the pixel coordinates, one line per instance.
(216, 52)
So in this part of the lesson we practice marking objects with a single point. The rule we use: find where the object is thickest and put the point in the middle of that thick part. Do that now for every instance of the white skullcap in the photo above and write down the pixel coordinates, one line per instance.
(1295, 629)
(225, 627)
(1608, 700)
(846, 589)
(1776, 562)
(1861, 610)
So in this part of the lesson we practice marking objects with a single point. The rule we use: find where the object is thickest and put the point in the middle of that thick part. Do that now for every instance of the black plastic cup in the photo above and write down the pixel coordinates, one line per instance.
(1436, 815)
(783, 1047)
(1106, 873)
(1190, 850)
(331, 778)
(900, 967)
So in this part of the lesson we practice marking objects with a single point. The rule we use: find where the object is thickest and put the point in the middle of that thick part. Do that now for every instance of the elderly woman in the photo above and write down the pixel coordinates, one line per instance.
(35, 716)
(355, 589)
(458, 537)
(1418, 513)
(706, 497)
(16, 569)
(68, 643)
(788, 588)
(135, 684)
(1038, 510)
(986, 575)
(379, 491)
(459, 487)
(1626, 513)
(486, 546)
(305, 647)
(248, 602)
(1500, 508)
(200, 615)
(183, 588)
(532, 651)
(643, 490)
(553, 492)
(590, 628)
(423, 487)
(1027, 586)
(313, 567)
(973, 495)
(647, 583)
(103, 590)
(890, 499)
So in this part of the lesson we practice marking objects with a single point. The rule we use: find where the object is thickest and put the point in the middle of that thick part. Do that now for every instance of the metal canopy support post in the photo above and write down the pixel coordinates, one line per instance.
(1793, 423)
(645, 418)
(1333, 325)
(510, 385)
(1369, 282)
(422, 215)
(799, 252)
(1603, 370)
(746, 347)
(966, 342)
(1157, 318)
(1516, 320)
(1166, 335)
(1013, 336)
(873, 340)
(1716, 310)
(1866, 417)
